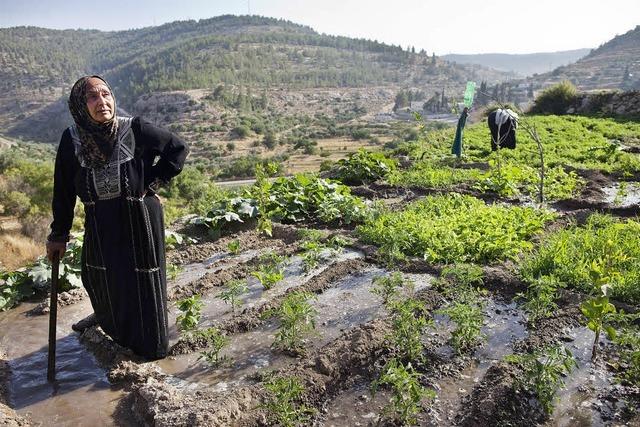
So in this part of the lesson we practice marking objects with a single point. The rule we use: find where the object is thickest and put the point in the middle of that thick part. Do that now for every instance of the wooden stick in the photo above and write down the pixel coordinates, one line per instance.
(53, 317)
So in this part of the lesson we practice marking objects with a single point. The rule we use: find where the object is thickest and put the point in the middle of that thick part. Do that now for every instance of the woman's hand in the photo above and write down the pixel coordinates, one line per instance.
(56, 248)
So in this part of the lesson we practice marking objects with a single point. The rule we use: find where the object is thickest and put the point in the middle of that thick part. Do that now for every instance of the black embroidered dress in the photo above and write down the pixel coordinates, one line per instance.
(123, 259)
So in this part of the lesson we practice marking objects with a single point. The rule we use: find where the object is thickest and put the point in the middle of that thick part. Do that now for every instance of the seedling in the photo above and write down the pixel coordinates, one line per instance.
(543, 372)
(233, 290)
(408, 324)
(173, 270)
(312, 255)
(270, 270)
(297, 320)
(387, 287)
(540, 298)
(283, 402)
(217, 342)
(234, 247)
(407, 391)
(468, 317)
(190, 309)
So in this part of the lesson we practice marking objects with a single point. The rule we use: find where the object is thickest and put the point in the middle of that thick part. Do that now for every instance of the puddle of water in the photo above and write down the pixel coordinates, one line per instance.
(248, 353)
(576, 401)
(80, 382)
(622, 194)
(504, 324)
(351, 303)
(357, 407)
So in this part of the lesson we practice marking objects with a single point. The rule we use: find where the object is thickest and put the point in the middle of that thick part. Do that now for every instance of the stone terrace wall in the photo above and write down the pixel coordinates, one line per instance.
(616, 104)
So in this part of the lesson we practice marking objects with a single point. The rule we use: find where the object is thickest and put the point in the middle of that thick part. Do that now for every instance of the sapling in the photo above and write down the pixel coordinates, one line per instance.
(232, 291)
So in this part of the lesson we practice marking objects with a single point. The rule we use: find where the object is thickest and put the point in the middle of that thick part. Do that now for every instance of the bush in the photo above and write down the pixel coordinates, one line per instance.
(358, 134)
(364, 166)
(241, 131)
(556, 99)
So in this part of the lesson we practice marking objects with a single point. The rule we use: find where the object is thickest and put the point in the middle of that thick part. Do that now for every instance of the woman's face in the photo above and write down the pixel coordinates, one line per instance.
(99, 100)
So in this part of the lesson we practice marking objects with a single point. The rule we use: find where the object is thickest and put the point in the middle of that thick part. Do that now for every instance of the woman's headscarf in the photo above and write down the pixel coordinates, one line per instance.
(97, 140)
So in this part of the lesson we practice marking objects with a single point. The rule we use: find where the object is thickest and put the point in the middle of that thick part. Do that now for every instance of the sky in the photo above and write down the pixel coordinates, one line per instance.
(445, 26)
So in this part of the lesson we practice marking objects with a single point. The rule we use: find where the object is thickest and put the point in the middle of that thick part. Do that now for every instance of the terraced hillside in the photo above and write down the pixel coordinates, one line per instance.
(614, 65)
(37, 66)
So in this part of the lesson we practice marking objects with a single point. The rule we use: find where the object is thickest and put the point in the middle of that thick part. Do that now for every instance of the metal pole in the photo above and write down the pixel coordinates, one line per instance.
(53, 317)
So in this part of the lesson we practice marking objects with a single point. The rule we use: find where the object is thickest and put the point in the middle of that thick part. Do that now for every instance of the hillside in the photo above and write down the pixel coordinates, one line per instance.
(614, 65)
(522, 64)
(249, 53)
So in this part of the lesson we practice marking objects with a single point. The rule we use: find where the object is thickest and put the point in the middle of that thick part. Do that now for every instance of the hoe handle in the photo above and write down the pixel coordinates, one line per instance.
(53, 318)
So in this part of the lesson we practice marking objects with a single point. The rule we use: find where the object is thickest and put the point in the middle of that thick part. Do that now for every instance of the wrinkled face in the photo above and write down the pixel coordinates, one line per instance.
(99, 100)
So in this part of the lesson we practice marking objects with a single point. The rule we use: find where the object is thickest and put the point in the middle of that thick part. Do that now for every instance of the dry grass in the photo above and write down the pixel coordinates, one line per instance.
(17, 250)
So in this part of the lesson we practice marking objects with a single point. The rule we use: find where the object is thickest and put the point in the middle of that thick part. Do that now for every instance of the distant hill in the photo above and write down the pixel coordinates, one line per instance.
(522, 64)
(253, 54)
(614, 65)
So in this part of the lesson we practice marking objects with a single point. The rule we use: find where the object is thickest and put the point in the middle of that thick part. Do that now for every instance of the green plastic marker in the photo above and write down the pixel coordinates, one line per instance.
(469, 92)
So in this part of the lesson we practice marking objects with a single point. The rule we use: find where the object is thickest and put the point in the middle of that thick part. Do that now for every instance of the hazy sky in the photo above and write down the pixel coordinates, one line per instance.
(445, 26)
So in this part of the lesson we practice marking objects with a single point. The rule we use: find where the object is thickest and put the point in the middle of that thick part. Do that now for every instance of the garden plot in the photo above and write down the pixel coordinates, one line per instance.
(473, 307)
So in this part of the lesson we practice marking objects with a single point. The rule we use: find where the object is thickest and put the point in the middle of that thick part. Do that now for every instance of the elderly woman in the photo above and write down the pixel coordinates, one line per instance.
(114, 165)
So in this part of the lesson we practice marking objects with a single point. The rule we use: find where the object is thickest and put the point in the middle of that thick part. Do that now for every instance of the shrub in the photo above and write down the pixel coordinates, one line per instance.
(364, 166)
(556, 99)
(241, 131)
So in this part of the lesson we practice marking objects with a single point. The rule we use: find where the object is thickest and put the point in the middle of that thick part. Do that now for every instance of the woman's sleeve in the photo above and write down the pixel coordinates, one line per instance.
(64, 193)
(170, 150)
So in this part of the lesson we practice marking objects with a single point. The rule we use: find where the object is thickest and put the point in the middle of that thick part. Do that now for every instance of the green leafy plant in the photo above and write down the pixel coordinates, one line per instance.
(270, 270)
(407, 392)
(408, 323)
(232, 291)
(454, 229)
(173, 270)
(565, 258)
(597, 309)
(217, 341)
(312, 255)
(297, 320)
(364, 166)
(234, 246)
(294, 199)
(543, 372)
(228, 210)
(468, 317)
(283, 403)
(262, 193)
(190, 310)
(540, 298)
(388, 287)
(627, 338)
(173, 239)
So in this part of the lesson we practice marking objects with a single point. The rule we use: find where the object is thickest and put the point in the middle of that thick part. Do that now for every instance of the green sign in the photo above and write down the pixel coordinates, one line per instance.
(468, 94)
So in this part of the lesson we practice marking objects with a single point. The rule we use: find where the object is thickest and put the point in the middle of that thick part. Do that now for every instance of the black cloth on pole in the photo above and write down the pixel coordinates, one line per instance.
(507, 132)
